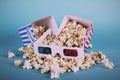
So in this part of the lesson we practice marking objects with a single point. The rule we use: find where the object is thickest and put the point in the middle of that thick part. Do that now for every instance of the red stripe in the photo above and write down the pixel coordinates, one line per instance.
(87, 41)
(89, 38)
(85, 47)
(92, 29)
(90, 34)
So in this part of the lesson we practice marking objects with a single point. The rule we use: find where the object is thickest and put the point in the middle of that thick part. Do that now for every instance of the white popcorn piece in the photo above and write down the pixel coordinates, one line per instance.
(17, 63)
(75, 69)
(27, 65)
(86, 64)
(82, 67)
(21, 49)
(62, 70)
(36, 66)
(10, 54)
(102, 56)
(109, 65)
(55, 72)
(90, 45)
(45, 69)
(24, 56)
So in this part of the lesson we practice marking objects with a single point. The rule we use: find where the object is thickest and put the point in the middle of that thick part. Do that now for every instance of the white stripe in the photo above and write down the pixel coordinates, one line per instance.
(87, 40)
(86, 45)
(88, 35)
(25, 40)
(30, 28)
(23, 31)
(34, 36)
(91, 32)
(22, 36)
(26, 44)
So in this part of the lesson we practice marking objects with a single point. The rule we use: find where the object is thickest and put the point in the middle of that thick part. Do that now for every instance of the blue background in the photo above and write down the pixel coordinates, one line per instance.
(105, 15)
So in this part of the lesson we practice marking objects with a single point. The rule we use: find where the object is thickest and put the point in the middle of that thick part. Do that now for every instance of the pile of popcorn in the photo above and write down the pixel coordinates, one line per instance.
(58, 65)
(39, 30)
(72, 35)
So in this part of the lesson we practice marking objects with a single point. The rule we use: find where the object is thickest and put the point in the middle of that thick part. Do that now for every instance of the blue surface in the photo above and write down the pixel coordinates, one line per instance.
(105, 15)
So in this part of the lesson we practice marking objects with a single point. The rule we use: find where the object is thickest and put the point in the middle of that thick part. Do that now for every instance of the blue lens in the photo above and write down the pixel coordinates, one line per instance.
(44, 50)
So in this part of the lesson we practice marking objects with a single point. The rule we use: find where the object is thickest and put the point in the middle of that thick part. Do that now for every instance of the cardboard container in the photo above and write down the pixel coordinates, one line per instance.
(27, 34)
(86, 23)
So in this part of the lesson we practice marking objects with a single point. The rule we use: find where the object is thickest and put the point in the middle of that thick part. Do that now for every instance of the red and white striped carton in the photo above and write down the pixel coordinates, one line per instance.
(49, 22)
(86, 23)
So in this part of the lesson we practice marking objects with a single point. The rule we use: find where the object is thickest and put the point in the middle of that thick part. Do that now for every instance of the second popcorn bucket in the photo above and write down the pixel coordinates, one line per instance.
(70, 40)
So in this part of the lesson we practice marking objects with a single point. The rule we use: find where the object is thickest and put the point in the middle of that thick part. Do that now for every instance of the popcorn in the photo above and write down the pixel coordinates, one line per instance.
(90, 45)
(55, 72)
(28, 52)
(75, 69)
(58, 65)
(45, 68)
(109, 65)
(72, 35)
(10, 54)
(48, 40)
(75, 33)
(39, 30)
(17, 63)
(21, 49)
(27, 65)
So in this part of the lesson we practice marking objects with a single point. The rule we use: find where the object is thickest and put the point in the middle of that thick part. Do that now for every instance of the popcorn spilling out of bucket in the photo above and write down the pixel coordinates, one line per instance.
(33, 31)
(58, 50)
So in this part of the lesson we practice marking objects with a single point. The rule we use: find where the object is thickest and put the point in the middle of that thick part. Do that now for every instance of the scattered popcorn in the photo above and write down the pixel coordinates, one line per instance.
(37, 66)
(28, 52)
(109, 65)
(27, 65)
(17, 63)
(72, 35)
(55, 70)
(58, 65)
(21, 49)
(10, 54)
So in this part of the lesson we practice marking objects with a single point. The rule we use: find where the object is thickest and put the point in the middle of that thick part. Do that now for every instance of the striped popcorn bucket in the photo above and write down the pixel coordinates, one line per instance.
(84, 22)
(27, 35)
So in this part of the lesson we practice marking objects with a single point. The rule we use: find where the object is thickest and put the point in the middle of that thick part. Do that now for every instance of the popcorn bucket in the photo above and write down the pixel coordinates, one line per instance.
(86, 23)
(28, 33)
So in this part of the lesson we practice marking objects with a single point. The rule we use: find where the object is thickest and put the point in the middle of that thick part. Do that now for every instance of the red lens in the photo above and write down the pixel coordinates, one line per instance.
(70, 52)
